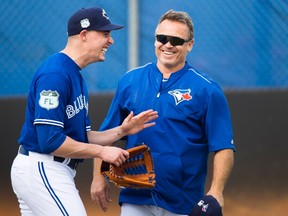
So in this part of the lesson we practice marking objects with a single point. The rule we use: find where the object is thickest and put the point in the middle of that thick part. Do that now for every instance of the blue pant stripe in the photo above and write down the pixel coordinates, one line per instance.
(50, 189)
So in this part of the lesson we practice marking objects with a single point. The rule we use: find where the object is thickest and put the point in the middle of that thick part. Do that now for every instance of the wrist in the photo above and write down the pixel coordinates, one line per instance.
(98, 153)
(216, 190)
(120, 132)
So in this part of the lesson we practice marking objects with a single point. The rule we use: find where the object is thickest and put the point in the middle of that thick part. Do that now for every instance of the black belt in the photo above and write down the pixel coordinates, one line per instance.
(72, 164)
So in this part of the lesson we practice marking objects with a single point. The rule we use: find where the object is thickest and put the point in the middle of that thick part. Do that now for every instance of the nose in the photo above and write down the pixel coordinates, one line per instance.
(111, 40)
(168, 44)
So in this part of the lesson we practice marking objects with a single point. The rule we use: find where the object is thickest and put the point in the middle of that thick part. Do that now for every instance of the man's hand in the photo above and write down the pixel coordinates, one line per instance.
(100, 192)
(114, 155)
(133, 124)
(218, 196)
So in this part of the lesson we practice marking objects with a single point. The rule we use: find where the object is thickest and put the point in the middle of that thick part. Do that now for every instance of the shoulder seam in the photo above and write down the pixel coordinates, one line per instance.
(207, 80)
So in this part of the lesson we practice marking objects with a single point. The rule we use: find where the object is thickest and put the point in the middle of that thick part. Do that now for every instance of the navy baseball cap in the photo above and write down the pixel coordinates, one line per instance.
(93, 18)
(207, 206)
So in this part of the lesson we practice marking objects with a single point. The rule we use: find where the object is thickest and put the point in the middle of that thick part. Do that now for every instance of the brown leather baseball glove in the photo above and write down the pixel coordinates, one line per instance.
(136, 172)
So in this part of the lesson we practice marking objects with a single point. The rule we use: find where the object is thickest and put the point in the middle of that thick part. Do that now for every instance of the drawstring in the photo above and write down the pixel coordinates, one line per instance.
(154, 199)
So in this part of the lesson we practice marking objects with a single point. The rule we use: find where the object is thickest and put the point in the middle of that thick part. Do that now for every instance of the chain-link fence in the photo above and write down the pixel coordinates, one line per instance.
(241, 44)
(32, 30)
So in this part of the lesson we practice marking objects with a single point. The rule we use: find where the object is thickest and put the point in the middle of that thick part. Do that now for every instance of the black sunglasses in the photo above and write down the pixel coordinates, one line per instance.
(175, 41)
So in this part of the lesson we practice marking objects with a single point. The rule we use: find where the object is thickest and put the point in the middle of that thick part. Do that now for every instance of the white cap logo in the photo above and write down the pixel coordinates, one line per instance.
(104, 14)
(85, 23)
(204, 206)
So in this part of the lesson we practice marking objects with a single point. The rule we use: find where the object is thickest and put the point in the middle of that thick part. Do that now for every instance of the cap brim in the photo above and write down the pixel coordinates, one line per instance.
(109, 27)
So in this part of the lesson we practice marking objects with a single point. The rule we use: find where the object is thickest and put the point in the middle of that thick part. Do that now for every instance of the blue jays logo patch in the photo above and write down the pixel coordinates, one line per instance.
(181, 95)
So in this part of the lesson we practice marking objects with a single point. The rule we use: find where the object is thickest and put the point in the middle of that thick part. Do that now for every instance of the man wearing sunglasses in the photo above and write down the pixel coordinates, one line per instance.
(194, 120)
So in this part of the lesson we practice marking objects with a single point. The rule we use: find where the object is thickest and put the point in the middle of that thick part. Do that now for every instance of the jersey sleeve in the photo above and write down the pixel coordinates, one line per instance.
(218, 122)
(50, 138)
(51, 92)
(88, 124)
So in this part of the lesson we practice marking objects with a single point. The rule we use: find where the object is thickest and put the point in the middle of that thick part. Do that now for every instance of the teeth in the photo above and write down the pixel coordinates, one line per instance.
(168, 53)
(104, 50)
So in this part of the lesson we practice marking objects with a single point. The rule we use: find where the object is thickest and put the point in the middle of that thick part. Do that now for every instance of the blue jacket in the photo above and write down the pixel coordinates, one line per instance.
(194, 119)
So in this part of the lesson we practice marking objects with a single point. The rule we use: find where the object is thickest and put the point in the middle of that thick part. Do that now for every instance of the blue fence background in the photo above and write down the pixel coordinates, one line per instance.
(240, 44)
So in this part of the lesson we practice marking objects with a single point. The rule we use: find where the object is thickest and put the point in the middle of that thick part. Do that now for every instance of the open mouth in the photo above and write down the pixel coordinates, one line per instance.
(104, 50)
(168, 52)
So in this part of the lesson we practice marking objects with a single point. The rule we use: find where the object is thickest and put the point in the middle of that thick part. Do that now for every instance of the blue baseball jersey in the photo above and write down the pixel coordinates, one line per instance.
(57, 106)
(194, 119)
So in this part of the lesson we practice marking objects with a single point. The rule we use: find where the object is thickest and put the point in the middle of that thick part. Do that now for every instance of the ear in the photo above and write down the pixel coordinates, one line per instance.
(190, 45)
(83, 35)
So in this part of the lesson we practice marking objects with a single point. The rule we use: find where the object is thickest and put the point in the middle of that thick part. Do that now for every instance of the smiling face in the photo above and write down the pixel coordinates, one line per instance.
(97, 44)
(88, 47)
(172, 58)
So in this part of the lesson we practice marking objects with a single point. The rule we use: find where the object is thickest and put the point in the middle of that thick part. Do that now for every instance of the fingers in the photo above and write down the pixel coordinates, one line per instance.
(134, 124)
(131, 114)
(100, 193)
(151, 117)
(103, 203)
(147, 112)
(149, 125)
(103, 200)
(148, 115)
(126, 154)
(122, 158)
(144, 117)
(115, 155)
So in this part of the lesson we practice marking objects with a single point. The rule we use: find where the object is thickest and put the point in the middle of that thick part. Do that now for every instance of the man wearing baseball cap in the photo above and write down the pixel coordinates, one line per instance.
(90, 19)
(57, 134)
(92, 26)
